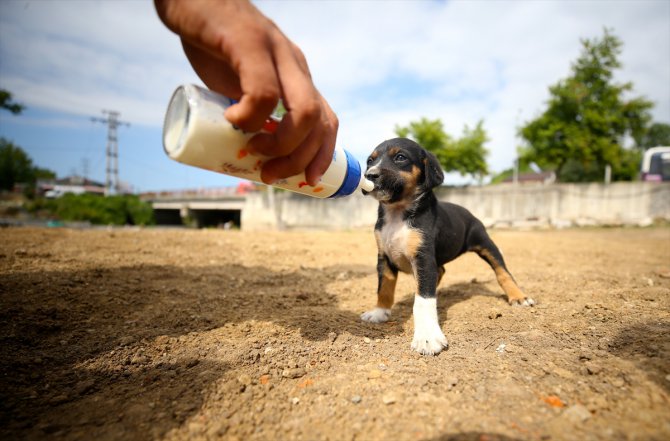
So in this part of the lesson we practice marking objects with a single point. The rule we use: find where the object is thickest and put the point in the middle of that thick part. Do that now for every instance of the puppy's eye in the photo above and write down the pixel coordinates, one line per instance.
(370, 160)
(400, 157)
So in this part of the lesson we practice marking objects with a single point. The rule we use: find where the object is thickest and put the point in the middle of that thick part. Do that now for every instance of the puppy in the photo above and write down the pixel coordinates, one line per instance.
(416, 234)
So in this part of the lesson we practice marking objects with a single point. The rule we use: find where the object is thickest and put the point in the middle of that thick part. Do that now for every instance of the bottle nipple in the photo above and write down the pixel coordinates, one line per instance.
(367, 185)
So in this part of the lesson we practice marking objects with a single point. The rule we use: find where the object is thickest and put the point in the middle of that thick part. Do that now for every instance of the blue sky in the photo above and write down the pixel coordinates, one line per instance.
(377, 63)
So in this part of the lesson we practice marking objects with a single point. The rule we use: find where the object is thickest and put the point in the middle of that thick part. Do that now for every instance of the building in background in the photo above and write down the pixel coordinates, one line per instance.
(71, 184)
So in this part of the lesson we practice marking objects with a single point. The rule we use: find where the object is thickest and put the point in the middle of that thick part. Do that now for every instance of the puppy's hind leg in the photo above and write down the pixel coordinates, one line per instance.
(487, 250)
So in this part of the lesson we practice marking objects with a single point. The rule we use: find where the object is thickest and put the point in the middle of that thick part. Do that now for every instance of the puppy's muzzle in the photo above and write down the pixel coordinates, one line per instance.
(372, 174)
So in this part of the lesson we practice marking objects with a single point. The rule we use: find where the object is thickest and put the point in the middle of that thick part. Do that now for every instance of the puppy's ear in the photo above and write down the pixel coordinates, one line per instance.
(432, 171)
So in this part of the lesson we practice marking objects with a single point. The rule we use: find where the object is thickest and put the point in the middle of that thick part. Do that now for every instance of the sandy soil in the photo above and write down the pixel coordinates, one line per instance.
(183, 334)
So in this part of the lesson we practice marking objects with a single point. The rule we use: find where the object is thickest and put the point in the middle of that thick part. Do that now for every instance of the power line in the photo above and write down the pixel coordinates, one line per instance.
(112, 169)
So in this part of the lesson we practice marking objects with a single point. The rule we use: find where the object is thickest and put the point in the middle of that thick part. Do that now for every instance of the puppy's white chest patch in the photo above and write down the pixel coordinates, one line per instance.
(399, 242)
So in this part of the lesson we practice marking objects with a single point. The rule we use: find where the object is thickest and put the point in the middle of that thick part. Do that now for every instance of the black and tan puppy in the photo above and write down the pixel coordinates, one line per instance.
(417, 234)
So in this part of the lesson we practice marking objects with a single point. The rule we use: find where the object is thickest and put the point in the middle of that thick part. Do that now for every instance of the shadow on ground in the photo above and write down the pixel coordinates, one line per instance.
(447, 296)
(52, 323)
(647, 345)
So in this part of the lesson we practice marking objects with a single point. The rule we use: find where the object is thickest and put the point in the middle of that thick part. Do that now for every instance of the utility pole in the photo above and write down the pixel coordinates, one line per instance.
(84, 168)
(608, 174)
(112, 170)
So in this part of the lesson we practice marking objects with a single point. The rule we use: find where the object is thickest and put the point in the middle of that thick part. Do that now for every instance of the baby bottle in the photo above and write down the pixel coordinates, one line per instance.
(196, 133)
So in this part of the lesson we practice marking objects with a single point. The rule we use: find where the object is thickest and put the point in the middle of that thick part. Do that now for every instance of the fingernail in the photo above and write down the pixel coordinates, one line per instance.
(314, 182)
(231, 115)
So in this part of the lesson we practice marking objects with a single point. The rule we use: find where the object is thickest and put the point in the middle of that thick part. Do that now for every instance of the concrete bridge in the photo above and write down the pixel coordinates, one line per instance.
(200, 208)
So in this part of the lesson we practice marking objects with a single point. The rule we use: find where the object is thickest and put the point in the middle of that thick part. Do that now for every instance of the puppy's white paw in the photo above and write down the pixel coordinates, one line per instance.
(377, 315)
(428, 337)
(429, 341)
(526, 301)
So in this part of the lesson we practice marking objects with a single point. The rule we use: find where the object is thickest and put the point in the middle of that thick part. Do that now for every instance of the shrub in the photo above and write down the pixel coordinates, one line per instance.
(100, 210)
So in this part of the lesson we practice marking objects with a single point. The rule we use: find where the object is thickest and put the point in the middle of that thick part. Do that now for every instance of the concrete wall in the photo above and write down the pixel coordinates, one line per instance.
(290, 210)
(560, 205)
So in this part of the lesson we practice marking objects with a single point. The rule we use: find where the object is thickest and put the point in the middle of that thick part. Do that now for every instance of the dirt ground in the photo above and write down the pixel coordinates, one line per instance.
(183, 334)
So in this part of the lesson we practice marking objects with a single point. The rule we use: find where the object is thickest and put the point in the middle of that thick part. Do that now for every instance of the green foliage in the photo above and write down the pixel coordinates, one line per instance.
(280, 110)
(140, 212)
(587, 119)
(7, 103)
(657, 135)
(576, 171)
(465, 155)
(100, 210)
(16, 167)
(44, 173)
(469, 155)
(629, 165)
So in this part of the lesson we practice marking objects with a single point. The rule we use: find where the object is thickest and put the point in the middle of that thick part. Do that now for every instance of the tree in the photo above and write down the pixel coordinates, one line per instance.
(7, 103)
(16, 167)
(465, 155)
(658, 134)
(587, 119)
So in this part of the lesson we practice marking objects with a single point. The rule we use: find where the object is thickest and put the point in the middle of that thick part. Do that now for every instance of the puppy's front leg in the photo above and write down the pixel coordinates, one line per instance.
(387, 277)
(428, 336)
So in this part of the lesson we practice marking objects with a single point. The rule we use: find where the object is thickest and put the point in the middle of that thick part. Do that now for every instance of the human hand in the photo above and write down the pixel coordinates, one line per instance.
(240, 53)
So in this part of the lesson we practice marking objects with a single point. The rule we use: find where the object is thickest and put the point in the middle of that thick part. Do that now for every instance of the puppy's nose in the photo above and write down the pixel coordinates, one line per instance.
(372, 174)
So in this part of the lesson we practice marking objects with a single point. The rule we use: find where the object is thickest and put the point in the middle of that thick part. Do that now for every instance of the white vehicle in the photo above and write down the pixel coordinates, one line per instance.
(656, 165)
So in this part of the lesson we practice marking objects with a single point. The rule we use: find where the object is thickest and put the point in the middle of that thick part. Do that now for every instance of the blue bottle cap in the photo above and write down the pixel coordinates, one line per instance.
(351, 179)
